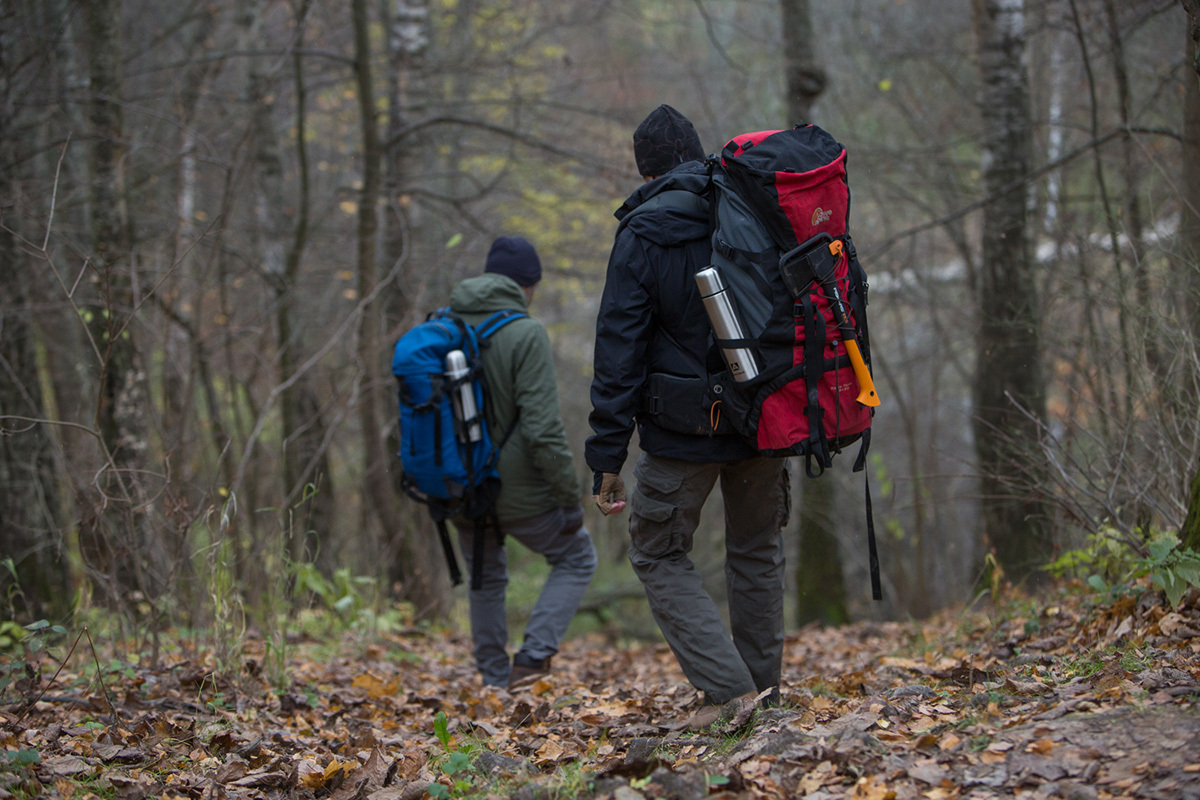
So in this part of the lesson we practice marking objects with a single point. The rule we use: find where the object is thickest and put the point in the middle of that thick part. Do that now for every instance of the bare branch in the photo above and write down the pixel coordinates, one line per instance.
(1020, 182)
(712, 37)
(517, 136)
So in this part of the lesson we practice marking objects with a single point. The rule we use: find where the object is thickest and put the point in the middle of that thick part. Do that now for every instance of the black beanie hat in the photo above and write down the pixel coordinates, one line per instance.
(664, 140)
(516, 258)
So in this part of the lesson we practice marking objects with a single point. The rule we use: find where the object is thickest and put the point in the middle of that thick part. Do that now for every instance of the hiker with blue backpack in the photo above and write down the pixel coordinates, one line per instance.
(495, 461)
(650, 332)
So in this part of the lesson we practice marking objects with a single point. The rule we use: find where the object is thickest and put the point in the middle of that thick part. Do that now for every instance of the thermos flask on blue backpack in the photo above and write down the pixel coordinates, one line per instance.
(464, 404)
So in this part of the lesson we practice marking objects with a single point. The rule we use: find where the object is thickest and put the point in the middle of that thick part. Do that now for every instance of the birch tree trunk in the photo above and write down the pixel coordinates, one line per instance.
(412, 550)
(371, 357)
(1009, 383)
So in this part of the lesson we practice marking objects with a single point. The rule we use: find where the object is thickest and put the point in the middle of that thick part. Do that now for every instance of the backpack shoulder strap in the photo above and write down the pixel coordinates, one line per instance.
(486, 330)
(496, 321)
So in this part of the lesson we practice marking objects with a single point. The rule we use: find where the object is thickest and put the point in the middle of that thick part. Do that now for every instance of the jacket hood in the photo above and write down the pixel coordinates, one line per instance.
(486, 293)
(672, 209)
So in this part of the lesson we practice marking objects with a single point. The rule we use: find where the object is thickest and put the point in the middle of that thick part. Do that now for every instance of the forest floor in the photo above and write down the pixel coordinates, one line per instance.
(1084, 697)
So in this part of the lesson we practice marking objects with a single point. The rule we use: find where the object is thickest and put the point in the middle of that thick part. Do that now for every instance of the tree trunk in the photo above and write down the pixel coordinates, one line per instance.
(30, 524)
(805, 78)
(412, 549)
(820, 585)
(1190, 218)
(1190, 236)
(30, 528)
(307, 512)
(1132, 216)
(422, 591)
(116, 541)
(1009, 383)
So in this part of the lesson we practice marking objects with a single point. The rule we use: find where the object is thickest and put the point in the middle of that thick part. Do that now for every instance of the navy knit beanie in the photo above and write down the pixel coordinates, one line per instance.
(663, 141)
(516, 258)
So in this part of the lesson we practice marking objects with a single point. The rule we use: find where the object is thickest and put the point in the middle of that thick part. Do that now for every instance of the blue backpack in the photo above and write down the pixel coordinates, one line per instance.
(447, 452)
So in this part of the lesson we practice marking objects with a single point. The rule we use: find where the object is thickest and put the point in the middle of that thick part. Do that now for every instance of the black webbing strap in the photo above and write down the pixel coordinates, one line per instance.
(814, 363)
(448, 549)
(477, 557)
(481, 527)
(872, 552)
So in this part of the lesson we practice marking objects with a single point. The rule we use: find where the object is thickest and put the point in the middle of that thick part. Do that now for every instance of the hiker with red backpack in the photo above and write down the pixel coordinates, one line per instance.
(652, 338)
(538, 503)
(732, 332)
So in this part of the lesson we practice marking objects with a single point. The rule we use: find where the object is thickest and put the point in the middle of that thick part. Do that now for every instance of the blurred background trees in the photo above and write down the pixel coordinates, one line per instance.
(216, 218)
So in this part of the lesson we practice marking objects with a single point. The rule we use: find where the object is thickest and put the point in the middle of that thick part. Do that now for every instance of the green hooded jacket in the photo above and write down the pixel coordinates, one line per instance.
(536, 470)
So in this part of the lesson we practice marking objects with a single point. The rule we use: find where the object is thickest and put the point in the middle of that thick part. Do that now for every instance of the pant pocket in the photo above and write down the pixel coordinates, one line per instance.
(652, 528)
(657, 522)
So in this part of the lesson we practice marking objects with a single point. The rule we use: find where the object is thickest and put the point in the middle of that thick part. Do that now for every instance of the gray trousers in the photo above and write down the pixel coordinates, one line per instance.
(665, 509)
(560, 537)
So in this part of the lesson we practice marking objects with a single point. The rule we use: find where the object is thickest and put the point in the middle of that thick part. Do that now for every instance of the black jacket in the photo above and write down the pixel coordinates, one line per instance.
(650, 313)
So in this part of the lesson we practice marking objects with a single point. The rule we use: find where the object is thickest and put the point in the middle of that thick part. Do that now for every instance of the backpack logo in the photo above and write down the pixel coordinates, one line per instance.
(820, 215)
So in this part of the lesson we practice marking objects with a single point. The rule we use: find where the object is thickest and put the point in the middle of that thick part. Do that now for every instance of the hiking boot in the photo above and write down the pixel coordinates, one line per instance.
(736, 713)
(704, 718)
(526, 670)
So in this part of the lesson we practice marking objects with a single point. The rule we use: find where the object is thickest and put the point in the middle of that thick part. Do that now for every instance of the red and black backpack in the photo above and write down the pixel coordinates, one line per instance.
(782, 248)
(783, 252)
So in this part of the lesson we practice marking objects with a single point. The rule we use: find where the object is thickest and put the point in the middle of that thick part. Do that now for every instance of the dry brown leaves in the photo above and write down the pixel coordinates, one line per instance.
(1095, 701)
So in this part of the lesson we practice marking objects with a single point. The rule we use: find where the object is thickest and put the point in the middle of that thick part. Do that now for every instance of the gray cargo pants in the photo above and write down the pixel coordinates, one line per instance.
(560, 537)
(665, 510)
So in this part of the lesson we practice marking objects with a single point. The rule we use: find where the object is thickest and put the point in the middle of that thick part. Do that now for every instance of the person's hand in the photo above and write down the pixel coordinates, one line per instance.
(610, 498)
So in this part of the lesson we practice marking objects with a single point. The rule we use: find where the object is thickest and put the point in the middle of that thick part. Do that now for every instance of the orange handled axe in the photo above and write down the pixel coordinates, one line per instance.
(866, 385)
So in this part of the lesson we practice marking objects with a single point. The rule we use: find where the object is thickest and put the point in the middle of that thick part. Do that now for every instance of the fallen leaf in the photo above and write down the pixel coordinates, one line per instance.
(310, 775)
(549, 753)
(942, 793)
(868, 789)
(374, 686)
(928, 771)
(66, 765)
(1042, 747)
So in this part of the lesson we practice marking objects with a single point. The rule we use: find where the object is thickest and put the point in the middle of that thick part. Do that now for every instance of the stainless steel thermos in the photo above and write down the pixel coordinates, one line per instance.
(464, 403)
(725, 323)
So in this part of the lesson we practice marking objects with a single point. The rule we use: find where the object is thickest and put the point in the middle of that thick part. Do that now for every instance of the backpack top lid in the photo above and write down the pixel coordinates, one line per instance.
(422, 351)
(794, 180)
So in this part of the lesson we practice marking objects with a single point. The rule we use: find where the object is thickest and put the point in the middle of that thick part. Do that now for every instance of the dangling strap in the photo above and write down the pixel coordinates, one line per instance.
(488, 522)
(860, 464)
(872, 553)
(477, 557)
(448, 549)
